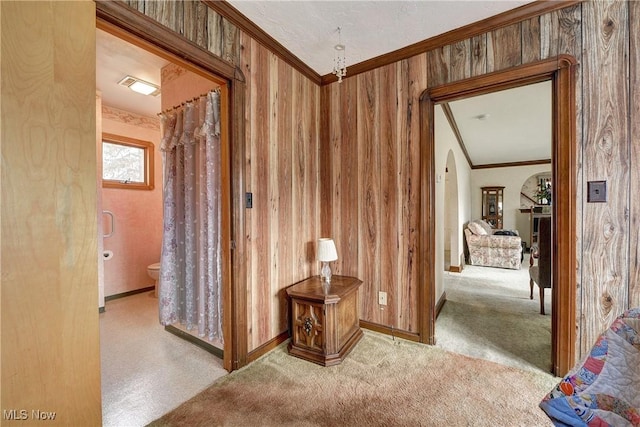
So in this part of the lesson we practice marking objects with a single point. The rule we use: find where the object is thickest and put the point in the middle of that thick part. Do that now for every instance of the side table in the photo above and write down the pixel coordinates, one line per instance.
(325, 323)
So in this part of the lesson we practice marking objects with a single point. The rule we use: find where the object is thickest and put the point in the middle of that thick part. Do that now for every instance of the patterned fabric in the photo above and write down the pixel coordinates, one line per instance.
(190, 270)
(494, 250)
(485, 225)
(477, 229)
(604, 389)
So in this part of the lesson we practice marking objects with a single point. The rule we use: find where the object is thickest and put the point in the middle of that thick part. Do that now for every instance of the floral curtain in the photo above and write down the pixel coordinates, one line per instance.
(190, 271)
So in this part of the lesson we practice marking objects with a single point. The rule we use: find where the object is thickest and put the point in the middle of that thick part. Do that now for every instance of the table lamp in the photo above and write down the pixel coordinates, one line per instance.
(326, 253)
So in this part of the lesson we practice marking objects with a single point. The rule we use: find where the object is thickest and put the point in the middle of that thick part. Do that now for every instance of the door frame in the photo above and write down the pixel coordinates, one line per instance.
(136, 28)
(560, 71)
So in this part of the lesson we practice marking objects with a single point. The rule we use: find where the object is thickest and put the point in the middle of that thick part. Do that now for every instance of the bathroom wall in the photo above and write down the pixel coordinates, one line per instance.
(137, 240)
(180, 85)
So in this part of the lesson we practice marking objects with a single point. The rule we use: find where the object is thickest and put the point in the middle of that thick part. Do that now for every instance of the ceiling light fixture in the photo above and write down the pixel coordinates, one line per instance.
(140, 86)
(339, 58)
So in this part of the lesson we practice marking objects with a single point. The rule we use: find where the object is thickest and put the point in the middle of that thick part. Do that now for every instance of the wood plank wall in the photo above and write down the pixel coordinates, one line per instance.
(282, 173)
(634, 179)
(358, 206)
(605, 251)
(195, 21)
(370, 173)
(598, 34)
(281, 169)
(50, 342)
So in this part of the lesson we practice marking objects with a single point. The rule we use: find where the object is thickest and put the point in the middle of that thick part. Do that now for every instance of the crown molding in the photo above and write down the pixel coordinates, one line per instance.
(510, 17)
(233, 15)
(513, 164)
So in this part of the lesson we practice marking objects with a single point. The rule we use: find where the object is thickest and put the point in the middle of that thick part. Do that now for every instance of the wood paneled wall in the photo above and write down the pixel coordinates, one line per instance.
(634, 154)
(281, 169)
(195, 21)
(282, 115)
(604, 37)
(605, 151)
(50, 342)
(370, 176)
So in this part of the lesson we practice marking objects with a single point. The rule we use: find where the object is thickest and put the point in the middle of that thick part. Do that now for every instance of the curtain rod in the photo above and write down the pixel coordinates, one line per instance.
(182, 104)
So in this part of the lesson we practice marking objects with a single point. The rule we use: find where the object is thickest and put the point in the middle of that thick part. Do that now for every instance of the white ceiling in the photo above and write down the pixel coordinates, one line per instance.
(518, 126)
(116, 59)
(308, 29)
(507, 126)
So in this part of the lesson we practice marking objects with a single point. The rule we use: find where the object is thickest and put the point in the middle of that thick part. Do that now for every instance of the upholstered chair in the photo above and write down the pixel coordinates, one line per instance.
(488, 248)
(540, 274)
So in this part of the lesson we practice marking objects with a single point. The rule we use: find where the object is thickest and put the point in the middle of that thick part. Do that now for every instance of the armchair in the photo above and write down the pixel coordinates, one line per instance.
(489, 249)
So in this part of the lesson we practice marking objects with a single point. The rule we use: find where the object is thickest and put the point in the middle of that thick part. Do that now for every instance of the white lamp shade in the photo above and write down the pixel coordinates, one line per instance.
(327, 250)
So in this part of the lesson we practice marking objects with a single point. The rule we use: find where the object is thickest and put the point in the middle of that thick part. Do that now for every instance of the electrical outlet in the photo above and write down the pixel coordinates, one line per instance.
(382, 298)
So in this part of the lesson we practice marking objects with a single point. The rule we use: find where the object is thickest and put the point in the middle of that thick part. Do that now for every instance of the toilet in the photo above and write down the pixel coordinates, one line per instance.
(154, 272)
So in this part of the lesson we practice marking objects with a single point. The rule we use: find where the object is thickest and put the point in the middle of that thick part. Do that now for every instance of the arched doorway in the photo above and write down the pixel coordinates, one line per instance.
(452, 232)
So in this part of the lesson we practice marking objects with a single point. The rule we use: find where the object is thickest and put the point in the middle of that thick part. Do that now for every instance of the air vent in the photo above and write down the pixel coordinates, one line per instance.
(127, 81)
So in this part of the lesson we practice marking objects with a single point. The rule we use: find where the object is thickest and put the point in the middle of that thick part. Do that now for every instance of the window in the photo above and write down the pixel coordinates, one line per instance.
(126, 163)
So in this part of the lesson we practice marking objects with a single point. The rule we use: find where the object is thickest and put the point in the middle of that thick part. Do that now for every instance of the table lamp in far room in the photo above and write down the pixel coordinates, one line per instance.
(326, 253)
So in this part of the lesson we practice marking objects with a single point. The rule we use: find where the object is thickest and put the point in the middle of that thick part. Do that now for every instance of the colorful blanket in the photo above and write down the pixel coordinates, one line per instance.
(604, 389)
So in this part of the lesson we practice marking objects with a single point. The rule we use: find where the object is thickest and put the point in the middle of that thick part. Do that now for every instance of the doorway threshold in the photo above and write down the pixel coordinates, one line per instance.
(195, 340)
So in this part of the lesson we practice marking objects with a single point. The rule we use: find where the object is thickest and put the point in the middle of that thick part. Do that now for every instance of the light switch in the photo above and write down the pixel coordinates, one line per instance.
(596, 191)
(248, 200)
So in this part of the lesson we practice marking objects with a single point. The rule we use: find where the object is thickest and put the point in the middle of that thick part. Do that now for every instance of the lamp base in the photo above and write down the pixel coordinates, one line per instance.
(325, 272)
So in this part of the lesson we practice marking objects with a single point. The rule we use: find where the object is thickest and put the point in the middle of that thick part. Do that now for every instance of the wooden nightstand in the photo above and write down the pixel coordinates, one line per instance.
(325, 324)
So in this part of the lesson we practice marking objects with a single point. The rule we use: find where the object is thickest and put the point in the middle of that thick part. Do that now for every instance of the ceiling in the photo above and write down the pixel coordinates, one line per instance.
(517, 125)
(308, 29)
(508, 126)
(116, 59)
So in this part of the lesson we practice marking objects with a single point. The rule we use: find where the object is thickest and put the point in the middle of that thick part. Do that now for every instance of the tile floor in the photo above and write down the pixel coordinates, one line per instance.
(146, 371)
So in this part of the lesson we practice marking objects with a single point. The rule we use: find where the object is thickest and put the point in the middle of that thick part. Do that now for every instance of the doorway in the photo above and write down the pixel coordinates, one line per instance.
(560, 71)
(146, 33)
(135, 236)
(498, 140)
(178, 86)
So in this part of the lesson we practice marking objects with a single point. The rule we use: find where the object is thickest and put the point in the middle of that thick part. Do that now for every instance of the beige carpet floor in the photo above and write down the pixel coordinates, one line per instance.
(383, 382)
(488, 314)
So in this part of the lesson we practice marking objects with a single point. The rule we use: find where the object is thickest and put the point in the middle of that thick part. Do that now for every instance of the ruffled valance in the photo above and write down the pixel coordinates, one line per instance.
(191, 122)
